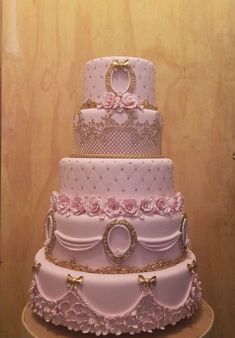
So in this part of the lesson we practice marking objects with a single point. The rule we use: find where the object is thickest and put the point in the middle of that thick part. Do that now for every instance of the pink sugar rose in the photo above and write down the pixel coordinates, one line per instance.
(54, 200)
(178, 201)
(129, 101)
(129, 206)
(147, 205)
(109, 100)
(94, 206)
(112, 207)
(77, 206)
(165, 206)
(63, 204)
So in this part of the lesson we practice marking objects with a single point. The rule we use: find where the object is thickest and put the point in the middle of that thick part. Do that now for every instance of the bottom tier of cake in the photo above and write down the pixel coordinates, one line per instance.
(114, 303)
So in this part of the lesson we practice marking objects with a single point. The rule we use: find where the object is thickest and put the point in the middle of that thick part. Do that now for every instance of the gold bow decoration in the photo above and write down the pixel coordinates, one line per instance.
(36, 267)
(192, 266)
(120, 64)
(147, 281)
(74, 282)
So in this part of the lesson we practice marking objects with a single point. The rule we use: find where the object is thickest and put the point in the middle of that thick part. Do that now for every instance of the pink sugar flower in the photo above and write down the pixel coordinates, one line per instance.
(164, 206)
(54, 200)
(63, 204)
(112, 207)
(178, 201)
(129, 101)
(109, 100)
(94, 206)
(130, 206)
(147, 205)
(77, 206)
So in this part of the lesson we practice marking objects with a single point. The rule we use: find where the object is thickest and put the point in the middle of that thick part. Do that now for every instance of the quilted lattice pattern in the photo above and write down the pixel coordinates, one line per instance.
(121, 178)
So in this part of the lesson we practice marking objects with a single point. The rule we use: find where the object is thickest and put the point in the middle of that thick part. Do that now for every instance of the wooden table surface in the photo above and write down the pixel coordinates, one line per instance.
(196, 327)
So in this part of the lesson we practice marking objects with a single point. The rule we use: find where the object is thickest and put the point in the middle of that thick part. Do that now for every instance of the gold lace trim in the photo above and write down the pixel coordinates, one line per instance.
(108, 138)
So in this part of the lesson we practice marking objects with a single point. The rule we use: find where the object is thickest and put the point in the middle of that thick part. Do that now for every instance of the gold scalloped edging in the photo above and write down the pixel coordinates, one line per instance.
(94, 104)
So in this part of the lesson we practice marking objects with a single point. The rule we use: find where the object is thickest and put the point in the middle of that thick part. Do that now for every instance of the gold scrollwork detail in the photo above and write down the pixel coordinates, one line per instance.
(127, 67)
(133, 239)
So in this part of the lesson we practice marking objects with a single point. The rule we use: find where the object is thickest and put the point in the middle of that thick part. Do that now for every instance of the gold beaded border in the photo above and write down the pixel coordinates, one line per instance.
(127, 156)
(133, 239)
(126, 66)
(117, 268)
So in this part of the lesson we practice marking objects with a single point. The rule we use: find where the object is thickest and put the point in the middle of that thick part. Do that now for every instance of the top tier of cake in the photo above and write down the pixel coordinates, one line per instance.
(118, 117)
(119, 74)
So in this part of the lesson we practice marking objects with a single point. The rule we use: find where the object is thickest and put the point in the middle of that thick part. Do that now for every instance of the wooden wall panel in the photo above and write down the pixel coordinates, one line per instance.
(45, 45)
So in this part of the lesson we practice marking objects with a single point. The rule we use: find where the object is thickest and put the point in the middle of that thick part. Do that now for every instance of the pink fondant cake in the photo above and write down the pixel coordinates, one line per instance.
(116, 256)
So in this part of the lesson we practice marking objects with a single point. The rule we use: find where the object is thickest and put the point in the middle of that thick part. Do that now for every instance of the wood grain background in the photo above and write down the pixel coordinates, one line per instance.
(45, 45)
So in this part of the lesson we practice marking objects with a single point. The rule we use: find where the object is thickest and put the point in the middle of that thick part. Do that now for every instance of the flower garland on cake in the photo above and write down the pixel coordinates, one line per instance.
(120, 101)
(112, 207)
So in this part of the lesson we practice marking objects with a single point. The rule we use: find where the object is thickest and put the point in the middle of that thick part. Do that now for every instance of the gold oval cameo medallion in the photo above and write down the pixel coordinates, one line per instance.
(50, 225)
(119, 239)
(120, 77)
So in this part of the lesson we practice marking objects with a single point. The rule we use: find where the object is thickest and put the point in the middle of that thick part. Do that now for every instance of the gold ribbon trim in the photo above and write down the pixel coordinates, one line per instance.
(74, 282)
(120, 64)
(148, 282)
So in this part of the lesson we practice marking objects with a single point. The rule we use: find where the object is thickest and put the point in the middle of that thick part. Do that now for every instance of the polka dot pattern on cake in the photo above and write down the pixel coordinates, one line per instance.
(112, 178)
(95, 72)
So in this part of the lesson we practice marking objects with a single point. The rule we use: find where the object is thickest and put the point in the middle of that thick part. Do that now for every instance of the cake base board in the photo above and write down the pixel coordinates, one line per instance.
(199, 325)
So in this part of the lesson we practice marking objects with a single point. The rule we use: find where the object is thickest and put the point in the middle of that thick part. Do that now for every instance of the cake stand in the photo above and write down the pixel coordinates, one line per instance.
(196, 327)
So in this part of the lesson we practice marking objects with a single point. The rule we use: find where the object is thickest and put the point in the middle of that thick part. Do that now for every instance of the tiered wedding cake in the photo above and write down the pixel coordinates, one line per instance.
(116, 256)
